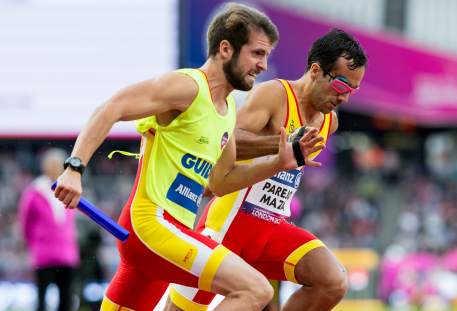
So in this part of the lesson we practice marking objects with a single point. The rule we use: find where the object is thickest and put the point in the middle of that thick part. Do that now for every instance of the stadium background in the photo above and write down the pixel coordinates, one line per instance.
(384, 201)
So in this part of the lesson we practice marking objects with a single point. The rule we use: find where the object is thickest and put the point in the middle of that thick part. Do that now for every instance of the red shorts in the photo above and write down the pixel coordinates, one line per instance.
(272, 249)
(262, 244)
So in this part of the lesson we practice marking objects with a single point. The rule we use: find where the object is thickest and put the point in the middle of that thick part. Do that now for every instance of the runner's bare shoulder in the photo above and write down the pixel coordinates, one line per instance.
(263, 104)
(176, 89)
(265, 96)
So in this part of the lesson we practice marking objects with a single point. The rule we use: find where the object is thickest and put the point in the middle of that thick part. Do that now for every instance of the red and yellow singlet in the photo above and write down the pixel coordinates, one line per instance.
(269, 199)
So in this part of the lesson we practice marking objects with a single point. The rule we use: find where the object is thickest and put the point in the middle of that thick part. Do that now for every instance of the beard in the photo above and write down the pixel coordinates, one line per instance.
(234, 75)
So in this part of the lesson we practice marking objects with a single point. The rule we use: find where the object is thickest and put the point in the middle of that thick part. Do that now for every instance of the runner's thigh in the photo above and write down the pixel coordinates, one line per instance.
(287, 245)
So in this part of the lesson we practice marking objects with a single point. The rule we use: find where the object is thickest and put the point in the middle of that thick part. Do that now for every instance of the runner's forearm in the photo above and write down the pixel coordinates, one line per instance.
(250, 146)
(243, 175)
(93, 133)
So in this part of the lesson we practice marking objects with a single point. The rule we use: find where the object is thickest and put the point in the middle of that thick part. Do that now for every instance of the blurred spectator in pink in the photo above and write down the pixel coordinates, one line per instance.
(296, 208)
(50, 232)
(408, 274)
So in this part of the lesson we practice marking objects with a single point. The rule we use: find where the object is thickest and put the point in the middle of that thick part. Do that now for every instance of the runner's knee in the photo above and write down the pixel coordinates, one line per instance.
(333, 282)
(257, 295)
(335, 288)
(339, 285)
(258, 289)
(262, 292)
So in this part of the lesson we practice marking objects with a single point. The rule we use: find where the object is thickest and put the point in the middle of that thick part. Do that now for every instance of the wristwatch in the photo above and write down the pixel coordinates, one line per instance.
(75, 163)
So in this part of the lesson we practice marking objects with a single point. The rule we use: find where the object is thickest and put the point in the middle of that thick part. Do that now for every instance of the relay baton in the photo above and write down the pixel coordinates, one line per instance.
(101, 218)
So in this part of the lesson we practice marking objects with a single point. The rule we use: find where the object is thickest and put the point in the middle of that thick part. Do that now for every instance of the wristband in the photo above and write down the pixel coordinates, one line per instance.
(296, 147)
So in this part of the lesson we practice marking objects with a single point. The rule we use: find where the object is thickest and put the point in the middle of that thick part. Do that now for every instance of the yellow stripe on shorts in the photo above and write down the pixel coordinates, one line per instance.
(184, 303)
(208, 272)
(108, 305)
(291, 261)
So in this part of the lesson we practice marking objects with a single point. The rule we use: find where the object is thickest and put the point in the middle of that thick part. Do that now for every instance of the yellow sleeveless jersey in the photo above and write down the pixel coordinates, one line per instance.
(268, 199)
(184, 152)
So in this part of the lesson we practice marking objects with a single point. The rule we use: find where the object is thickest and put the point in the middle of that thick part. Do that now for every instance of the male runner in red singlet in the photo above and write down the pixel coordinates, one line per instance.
(252, 222)
(186, 119)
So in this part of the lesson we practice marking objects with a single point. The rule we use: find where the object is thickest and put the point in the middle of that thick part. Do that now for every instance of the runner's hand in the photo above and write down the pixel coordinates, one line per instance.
(69, 188)
(207, 193)
(310, 144)
(307, 146)
(291, 136)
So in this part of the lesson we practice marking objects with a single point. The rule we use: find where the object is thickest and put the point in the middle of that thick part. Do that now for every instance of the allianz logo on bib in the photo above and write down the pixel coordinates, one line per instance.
(291, 178)
(186, 193)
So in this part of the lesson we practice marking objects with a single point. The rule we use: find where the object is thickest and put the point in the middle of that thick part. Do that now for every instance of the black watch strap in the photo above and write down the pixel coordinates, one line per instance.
(75, 163)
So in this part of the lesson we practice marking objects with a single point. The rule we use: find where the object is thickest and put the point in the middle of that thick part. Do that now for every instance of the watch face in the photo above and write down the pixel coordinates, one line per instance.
(75, 162)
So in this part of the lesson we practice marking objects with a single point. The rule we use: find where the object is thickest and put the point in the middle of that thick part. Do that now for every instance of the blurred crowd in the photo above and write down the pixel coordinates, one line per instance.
(335, 212)
(107, 184)
(347, 205)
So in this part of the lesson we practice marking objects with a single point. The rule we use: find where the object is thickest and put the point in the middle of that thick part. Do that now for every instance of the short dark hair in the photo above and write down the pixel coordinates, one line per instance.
(334, 44)
(235, 26)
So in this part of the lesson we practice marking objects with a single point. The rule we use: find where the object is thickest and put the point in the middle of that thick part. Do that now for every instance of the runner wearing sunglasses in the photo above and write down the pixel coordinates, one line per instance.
(340, 83)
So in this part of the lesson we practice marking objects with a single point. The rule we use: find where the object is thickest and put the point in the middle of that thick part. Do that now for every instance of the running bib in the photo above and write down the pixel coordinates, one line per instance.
(186, 193)
(270, 199)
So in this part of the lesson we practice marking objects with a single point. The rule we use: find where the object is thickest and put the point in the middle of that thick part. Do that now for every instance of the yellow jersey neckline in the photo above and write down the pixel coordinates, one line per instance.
(211, 95)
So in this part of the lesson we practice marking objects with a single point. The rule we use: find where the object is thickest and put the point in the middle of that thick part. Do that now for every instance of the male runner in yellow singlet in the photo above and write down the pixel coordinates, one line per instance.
(186, 119)
(251, 222)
